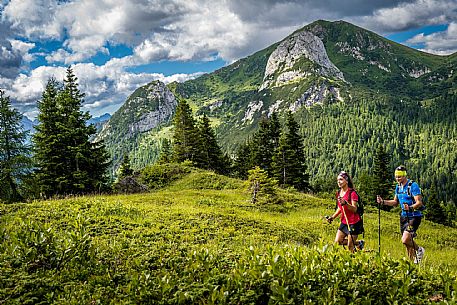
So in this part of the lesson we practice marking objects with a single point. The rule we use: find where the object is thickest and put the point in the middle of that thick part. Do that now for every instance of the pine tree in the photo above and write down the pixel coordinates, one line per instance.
(243, 160)
(210, 153)
(48, 150)
(289, 160)
(261, 187)
(274, 131)
(165, 152)
(435, 211)
(382, 182)
(185, 140)
(66, 159)
(265, 142)
(125, 169)
(14, 159)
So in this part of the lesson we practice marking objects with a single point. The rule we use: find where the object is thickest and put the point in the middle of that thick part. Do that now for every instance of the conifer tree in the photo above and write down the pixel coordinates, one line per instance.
(66, 159)
(289, 160)
(261, 187)
(265, 142)
(165, 152)
(125, 169)
(274, 130)
(48, 149)
(185, 140)
(382, 181)
(243, 160)
(14, 160)
(435, 211)
(210, 153)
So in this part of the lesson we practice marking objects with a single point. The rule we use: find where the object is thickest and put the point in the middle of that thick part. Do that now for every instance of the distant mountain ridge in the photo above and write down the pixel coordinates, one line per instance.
(315, 72)
(29, 125)
(99, 121)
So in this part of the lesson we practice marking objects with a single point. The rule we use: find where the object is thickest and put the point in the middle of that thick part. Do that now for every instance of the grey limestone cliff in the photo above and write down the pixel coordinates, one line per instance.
(282, 67)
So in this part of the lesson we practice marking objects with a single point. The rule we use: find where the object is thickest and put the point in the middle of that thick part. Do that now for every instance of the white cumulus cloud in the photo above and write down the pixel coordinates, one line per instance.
(106, 87)
(412, 14)
(177, 30)
(441, 43)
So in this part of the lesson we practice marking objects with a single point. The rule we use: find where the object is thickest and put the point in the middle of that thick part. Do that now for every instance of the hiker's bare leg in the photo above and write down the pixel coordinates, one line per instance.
(352, 239)
(339, 238)
(411, 247)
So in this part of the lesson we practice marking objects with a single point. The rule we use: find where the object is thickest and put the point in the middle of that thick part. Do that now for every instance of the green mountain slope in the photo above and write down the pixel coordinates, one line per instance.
(351, 89)
(202, 245)
(371, 61)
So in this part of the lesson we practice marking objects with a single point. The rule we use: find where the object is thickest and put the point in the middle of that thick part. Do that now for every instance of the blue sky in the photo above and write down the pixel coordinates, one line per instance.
(116, 46)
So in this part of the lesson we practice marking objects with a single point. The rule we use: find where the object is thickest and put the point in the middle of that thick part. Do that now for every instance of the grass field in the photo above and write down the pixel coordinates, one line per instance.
(201, 241)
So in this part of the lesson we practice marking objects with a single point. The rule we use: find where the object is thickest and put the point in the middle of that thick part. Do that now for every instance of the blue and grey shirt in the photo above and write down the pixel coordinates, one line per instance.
(401, 191)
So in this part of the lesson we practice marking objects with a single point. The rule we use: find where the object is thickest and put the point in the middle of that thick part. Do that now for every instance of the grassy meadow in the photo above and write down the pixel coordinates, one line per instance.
(201, 241)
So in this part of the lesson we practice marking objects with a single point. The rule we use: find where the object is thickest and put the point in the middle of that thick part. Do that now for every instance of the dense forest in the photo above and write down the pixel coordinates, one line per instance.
(420, 135)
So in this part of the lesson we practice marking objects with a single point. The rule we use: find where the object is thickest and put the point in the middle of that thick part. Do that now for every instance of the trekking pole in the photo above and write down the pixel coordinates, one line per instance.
(379, 228)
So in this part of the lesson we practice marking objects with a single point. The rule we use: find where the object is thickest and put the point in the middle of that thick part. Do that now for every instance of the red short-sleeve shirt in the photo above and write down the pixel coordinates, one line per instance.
(351, 216)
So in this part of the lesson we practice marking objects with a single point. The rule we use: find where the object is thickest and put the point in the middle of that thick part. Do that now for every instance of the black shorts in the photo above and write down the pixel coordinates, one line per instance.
(356, 228)
(411, 226)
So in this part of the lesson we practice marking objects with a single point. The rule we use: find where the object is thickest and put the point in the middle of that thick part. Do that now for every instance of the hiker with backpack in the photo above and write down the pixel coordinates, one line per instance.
(351, 221)
(408, 196)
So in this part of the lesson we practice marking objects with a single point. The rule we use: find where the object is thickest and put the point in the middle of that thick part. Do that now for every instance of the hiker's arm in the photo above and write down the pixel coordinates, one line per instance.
(418, 203)
(392, 203)
(335, 215)
(351, 203)
(352, 206)
(416, 193)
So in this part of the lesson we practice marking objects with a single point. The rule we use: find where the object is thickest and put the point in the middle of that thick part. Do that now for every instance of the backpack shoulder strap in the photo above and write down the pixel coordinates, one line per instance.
(408, 191)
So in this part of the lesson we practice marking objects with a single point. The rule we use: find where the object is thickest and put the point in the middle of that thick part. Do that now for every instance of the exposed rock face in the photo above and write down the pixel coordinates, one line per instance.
(145, 109)
(419, 72)
(316, 95)
(253, 107)
(281, 66)
(150, 119)
(274, 108)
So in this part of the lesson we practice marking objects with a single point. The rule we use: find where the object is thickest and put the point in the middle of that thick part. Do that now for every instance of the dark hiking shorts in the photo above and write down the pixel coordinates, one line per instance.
(356, 228)
(411, 226)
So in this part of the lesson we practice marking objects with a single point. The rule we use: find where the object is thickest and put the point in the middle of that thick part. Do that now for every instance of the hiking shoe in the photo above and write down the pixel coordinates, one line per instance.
(419, 255)
(361, 244)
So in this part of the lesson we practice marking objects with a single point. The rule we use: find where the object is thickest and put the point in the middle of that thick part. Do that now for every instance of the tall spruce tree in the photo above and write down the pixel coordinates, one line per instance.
(263, 148)
(125, 169)
(274, 131)
(165, 152)
(185, 139)
(14, 159)
(289, 160)
(71, 163)
(243, 161)
(210, 153)
(382, 181)
(48, 156)
(435, 211)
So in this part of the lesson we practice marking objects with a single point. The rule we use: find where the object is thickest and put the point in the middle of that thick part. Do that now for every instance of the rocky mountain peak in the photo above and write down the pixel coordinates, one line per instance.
(148, 107)
(286, 63)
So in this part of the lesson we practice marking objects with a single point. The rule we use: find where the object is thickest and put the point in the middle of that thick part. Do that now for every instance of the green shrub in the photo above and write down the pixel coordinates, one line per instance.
(208, 180)
(160, 175)
(263, 189)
